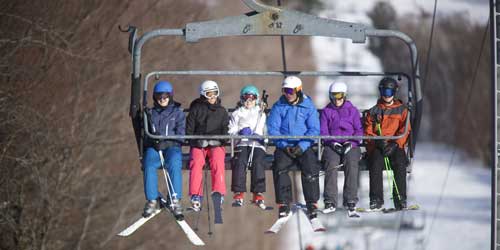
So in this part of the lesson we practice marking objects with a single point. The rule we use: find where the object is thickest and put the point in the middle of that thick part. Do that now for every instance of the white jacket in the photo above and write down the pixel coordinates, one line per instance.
(243, 117)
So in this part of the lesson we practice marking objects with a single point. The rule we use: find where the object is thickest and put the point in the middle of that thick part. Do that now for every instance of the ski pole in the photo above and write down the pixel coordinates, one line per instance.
(208, 205)
(388, 164)
(170, 189)
(388, 169)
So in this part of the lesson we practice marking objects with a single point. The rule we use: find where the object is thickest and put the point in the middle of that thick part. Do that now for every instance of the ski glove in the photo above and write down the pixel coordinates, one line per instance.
(342, 149)
(246, 131)
(381, 144)
(390, 148)
(296, 151)
(293, 152)
(261, 141)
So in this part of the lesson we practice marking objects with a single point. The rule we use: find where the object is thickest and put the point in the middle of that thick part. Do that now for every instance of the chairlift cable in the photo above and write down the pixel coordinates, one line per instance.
(461, 122)
(429, 47)
(427, 63)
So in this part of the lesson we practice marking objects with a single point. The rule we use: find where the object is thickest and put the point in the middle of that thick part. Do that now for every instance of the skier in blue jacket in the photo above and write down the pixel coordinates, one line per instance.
(294, 114)
(165, 118)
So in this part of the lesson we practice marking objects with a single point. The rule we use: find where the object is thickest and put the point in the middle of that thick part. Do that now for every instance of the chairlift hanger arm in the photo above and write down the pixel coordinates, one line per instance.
(273, 21)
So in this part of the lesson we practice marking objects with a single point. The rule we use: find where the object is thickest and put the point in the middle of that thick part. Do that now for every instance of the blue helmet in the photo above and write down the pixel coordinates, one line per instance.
(162, 87)
(249, 89)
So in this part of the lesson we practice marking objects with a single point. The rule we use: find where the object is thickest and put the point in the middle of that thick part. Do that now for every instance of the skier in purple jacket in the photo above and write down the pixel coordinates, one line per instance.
(340, 117)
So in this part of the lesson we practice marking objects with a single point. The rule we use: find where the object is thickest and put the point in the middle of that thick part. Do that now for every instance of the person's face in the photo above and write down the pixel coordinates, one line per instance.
(338, 98)
(162, 98)
(211, 97)
(388, 99)
(290, 94)
(249, 100)
(387, 94)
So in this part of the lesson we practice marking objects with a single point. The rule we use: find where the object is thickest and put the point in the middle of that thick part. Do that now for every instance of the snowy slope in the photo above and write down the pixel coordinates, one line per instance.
(462, 220)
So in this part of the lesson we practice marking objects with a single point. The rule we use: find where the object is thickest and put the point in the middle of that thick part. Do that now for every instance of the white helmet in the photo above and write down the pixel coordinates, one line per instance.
(292, 82)
(338, 87)
(209, 86)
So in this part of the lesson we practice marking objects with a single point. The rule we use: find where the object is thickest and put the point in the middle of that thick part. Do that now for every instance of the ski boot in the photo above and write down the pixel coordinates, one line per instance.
(351, 210)
(329, 207)
(376, 205)
(312, 210)
(176, 209)
(283, 210)
(258, 199)
(150, 207)
(400, 205)
(238, 199)
(196, 202)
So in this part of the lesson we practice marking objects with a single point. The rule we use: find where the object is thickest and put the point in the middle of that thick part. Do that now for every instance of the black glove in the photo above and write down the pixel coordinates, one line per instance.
(288, 151)
(381, 144)
(293, 152)
(297, 151)
(346, 147)
(337, 148)
(390, 148)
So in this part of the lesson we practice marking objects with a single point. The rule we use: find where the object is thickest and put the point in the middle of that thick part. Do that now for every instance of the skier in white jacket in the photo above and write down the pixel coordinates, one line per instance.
(249, 119)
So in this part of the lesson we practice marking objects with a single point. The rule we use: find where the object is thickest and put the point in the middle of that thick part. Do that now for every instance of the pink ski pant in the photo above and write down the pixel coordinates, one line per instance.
(216, 157)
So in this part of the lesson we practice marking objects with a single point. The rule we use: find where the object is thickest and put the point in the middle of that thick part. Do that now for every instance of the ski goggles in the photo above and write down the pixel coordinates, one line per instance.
(211, 94)
(387, 92)
(288, 91)
(250, 97)
(337, 95)
(162, 95)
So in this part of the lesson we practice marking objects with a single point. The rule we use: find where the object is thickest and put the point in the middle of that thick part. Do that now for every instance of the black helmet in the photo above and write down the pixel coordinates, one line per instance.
(388, 86)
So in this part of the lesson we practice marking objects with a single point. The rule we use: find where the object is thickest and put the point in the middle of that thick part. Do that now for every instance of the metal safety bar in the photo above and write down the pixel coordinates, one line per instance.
(267, 20)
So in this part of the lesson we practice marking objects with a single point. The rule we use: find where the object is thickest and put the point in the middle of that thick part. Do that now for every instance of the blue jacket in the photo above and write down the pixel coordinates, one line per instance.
(299, 119)
(167, 121)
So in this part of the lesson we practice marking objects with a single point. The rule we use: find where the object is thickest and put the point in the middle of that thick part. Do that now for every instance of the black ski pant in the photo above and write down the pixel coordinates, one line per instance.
(333, 161)
(258, 171)
(309, 167)
(376, 166)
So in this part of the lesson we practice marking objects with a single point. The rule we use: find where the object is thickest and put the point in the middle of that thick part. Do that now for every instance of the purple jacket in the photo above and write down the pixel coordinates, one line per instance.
(344, 120)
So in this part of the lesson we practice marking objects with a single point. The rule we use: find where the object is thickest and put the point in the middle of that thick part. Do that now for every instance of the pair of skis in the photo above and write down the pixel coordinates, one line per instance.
(350, 213)
(260, 205)
(316, 224)
(191, 235)
(388, 210)
(179, 217)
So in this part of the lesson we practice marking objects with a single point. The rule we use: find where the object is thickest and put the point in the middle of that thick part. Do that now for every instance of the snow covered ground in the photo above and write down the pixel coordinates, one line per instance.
(462, 220)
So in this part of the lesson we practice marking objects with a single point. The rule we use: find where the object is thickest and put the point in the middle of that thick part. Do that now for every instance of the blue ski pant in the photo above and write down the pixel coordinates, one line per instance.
(173, 164)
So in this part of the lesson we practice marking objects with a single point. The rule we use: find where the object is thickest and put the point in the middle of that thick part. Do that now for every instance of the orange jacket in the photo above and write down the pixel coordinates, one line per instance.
(392, 122)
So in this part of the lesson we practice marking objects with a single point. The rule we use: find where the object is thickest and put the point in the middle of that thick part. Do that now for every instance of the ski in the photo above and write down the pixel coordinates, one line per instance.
(392, 210)
(367, 210)
(237, 203)
(217, 201)
(386, 210)
(328, 210)
(276, 227)
(316, 224)
(352, 214)
(262, 205)
(137, 224)
(192, 236)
